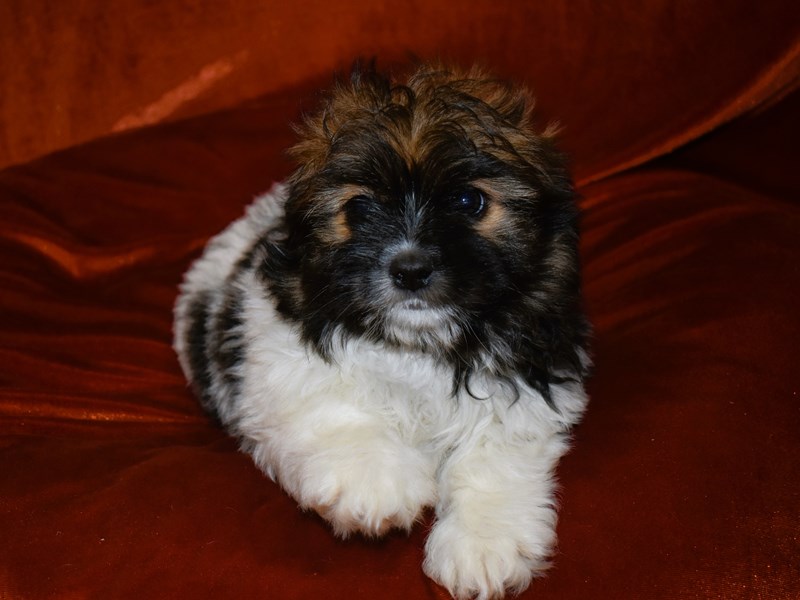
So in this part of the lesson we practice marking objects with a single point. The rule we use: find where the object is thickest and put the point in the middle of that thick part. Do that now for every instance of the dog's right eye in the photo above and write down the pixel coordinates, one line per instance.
(358, 208)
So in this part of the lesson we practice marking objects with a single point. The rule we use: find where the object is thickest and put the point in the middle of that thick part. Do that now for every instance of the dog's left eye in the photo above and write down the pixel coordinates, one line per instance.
(470, 202)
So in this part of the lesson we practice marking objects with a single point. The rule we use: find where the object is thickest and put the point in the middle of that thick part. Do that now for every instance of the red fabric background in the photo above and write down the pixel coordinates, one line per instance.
(629, 80)
(684, 480)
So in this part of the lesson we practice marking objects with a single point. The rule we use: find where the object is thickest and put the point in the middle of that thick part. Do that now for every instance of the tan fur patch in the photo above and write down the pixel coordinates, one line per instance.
(333, 204)
(497, 222)
(339, 231)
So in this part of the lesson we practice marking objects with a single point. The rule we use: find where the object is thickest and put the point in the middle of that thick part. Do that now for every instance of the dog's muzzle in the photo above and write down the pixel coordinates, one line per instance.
(416, 312)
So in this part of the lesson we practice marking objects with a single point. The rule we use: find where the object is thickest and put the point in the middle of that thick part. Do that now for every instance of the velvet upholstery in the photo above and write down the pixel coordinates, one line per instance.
(682, 121)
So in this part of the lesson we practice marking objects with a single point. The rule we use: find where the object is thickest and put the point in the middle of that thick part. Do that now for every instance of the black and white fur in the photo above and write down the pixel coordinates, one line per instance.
(399, 326)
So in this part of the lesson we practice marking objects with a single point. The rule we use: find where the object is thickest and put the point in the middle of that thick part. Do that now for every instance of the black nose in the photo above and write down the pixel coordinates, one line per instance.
(411, 270)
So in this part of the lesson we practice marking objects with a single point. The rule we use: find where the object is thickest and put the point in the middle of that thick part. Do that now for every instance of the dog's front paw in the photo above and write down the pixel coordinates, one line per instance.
(370, 492)
(484, 564)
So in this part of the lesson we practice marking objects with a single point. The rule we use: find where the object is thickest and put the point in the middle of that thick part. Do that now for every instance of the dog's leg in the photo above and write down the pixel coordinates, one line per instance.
(348, 466)
(496, 515)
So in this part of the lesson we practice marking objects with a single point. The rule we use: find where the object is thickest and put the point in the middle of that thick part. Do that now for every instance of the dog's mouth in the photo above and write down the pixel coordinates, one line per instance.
(418, 323)
(417, 313)
(414, 304)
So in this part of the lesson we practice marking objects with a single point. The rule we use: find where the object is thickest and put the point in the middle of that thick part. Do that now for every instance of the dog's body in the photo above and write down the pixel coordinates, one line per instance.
(399, 326)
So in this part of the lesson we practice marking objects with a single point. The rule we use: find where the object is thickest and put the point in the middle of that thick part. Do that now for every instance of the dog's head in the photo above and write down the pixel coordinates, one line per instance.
(430, 215)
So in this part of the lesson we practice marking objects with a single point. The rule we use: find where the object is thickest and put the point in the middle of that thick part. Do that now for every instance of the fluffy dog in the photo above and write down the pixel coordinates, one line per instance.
(399, 325)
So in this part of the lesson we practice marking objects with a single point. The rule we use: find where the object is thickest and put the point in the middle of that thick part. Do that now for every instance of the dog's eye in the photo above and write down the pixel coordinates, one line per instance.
(358, 208)
(469, 202)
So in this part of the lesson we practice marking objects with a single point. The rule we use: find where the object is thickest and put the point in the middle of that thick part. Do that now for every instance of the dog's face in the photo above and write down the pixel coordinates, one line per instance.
(429, 215)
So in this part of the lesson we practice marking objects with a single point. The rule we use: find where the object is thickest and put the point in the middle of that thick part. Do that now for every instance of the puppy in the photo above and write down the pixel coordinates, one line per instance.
(399, 325)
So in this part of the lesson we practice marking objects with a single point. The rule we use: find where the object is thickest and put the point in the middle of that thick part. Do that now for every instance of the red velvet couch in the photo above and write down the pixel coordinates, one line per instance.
(129, 135)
